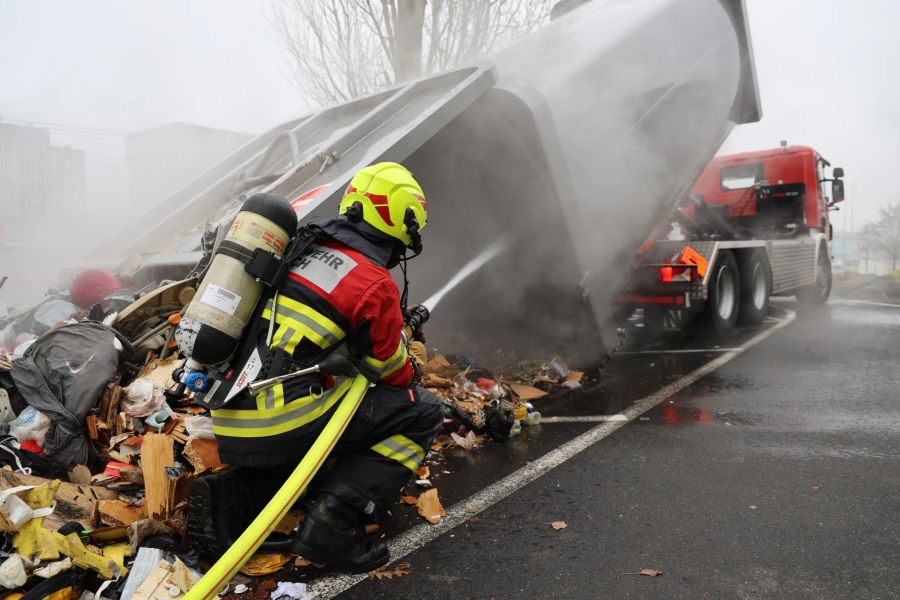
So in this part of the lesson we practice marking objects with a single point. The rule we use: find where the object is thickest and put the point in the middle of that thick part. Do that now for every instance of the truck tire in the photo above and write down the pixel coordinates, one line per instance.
(818, 293)
(724, 299)
(756, 287)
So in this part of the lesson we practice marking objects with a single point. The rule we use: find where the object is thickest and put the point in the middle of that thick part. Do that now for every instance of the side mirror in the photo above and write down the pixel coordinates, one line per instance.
(837, 191)
(838, 172)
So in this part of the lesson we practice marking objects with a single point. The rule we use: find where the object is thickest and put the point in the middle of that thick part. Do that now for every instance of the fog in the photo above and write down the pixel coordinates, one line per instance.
(97, 71)
(827, 79)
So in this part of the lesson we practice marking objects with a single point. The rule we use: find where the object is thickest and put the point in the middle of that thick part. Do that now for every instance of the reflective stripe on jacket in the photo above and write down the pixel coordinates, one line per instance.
(333, 299)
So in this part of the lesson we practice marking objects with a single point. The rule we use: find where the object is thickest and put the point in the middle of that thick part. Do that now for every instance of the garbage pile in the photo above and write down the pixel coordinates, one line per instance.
(493, 406)
(99, 443)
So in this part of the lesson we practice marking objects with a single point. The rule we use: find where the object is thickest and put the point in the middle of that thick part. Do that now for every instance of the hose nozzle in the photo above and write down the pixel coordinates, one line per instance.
(416, 316)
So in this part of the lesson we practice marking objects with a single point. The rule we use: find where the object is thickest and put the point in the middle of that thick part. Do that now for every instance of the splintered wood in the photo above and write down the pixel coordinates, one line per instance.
(202, 453)
(157, 453)
(115, 513)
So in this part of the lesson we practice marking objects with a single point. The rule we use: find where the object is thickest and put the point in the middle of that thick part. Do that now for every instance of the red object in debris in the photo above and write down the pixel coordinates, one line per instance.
(31, 446)
(484, 383)
(112, 468)
(93, 285)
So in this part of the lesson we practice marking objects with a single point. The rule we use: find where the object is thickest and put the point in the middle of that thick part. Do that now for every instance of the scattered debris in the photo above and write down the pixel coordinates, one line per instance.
(526, 393)
(80, 474)
(468, 442)
(116, 513)
(289, 589)
(121, 443)
(647, 573)
(54, 568)
(12, 572)
(430, 507)
(559, 525)
(266, 563)
(203, 454)
(383, 573)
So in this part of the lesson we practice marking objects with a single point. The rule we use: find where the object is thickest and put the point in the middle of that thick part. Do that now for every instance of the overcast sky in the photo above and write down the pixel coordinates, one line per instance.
(828, 74)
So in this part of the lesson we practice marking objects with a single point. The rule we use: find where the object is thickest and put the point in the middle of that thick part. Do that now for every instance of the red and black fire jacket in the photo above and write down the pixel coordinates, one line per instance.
(334, 298)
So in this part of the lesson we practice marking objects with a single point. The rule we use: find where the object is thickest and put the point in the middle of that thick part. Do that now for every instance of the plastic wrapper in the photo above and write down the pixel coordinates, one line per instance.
(199, 426)
(31, 424)
(143, 398)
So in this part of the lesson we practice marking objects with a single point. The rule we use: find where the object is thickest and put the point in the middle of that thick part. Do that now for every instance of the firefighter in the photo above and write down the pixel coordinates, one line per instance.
(337, 297)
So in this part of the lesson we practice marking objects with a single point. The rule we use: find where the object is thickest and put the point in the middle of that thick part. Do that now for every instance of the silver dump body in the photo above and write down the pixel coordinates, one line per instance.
(569, 146)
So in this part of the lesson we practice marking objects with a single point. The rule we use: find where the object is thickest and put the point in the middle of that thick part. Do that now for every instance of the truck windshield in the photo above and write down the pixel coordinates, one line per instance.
(739, 177)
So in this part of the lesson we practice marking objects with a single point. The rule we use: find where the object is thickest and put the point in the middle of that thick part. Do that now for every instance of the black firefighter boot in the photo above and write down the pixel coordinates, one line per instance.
(331, 534)
(217, 512)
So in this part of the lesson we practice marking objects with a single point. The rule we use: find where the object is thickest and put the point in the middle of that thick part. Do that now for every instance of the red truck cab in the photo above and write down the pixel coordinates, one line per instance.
(777, 187)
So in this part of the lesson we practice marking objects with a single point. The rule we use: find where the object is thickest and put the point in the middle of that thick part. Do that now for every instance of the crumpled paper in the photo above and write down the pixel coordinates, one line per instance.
(290, 589)
(143, 398)
(12, 572)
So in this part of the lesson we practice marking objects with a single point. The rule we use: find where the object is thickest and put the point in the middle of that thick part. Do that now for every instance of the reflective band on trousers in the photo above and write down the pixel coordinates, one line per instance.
(402, 449)
(273, 421)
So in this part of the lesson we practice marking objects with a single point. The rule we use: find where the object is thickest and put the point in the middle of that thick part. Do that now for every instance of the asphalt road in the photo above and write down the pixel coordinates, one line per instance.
(775, 475)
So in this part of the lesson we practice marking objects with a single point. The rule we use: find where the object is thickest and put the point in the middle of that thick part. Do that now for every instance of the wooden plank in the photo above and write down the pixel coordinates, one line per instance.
(153, 587)
(157, 453)
(74, 502)
(115, 513)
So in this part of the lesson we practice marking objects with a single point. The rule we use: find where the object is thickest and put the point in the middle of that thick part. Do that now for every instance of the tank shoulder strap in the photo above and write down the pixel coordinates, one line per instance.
(264, 265)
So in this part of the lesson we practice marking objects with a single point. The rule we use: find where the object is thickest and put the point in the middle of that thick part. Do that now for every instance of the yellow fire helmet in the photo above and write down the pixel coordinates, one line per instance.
(387, 197)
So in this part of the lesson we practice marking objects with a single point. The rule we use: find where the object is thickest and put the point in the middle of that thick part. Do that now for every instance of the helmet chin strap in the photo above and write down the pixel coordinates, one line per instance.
(412, 228)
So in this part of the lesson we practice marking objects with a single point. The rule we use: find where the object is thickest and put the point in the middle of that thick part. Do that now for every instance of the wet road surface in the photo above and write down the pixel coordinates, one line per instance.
(774, 476)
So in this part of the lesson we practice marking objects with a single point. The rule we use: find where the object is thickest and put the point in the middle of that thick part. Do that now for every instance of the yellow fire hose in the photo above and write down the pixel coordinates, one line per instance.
(257, 532)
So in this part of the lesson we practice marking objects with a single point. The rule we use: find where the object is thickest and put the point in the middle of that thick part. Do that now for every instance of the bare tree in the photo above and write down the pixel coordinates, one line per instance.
(882, 238)
(342, 49)
(889, 227)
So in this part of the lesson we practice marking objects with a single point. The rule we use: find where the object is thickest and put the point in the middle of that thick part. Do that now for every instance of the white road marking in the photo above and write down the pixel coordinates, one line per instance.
(416, 537)
(584, 419)
(866, 302)
(685, 351)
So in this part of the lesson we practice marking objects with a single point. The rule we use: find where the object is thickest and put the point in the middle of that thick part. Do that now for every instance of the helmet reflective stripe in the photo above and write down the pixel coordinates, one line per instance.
(386, 191)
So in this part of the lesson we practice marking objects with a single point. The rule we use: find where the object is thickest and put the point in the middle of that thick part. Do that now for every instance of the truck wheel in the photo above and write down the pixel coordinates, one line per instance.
(724, 297)
(818, 292)
(756, 287)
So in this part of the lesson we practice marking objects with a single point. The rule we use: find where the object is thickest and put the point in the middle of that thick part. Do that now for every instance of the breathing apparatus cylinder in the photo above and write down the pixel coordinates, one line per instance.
(229, 292)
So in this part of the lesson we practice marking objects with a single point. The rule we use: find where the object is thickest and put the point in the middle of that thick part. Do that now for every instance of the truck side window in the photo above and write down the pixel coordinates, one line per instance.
(739, 177)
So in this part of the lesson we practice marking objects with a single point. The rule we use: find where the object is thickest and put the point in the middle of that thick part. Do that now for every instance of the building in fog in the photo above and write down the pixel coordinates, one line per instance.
(39, 182)
(163, 159)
